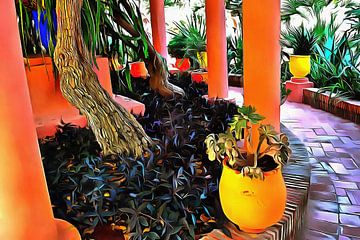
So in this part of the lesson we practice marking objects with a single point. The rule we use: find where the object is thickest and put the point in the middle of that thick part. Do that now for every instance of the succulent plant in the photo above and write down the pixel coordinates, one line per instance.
(252, 161)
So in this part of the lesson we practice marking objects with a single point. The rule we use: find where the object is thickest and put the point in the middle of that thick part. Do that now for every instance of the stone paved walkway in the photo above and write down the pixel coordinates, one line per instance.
(334, 149)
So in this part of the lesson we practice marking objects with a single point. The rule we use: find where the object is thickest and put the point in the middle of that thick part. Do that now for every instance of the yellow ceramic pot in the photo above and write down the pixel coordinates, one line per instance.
(202, 58)
(300, 65)
(252, 204)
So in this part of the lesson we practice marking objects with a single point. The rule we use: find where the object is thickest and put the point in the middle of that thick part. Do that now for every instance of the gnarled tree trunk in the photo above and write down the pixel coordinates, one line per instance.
(156, 67)
(116, 130)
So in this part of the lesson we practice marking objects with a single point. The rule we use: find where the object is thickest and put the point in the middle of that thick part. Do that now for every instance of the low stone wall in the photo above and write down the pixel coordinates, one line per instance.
(348, 109)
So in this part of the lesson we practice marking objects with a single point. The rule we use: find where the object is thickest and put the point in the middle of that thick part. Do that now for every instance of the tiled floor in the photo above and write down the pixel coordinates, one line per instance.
(334, 148)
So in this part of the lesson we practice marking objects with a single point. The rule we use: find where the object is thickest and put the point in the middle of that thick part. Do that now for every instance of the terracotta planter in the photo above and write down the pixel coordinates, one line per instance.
(252, 204)
(48, 104)
(183, 64)
(138, 70)
(199, 77)
(300, 65)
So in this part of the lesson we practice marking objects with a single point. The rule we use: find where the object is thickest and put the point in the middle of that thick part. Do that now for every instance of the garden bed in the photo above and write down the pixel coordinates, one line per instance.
(171, 192)
(345, 108)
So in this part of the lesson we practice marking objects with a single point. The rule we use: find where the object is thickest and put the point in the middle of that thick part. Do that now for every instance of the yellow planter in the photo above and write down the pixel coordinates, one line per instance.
(202, 58)
(300, 66)
(252, 204)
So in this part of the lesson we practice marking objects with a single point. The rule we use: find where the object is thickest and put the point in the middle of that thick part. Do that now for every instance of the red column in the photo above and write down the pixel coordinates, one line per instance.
(25, 209)
(216, 48)
(158, 26)
(261, 26)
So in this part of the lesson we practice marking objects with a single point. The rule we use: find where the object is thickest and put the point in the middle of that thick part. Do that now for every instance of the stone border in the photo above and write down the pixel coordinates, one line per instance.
(348, 109)
(297, 179)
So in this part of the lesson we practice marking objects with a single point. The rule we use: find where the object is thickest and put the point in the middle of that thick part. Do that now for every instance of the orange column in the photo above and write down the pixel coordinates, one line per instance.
(158, 26)
(261, 26)
(216, 48)
(25, 209)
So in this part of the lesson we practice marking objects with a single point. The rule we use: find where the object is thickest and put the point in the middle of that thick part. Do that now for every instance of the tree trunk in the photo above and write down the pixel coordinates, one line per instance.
(116, 130)
(158, 75)
(156, 67)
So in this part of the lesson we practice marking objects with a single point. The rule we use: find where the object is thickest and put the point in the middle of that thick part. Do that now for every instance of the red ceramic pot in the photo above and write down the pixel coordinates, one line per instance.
(138, 70)
(183, 64)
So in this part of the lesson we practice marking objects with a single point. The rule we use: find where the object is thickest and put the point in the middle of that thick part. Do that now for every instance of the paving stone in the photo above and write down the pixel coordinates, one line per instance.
(315, 235)
(349, 219)
(350, 178)
(343, 200)
(329, 130)
(337, 143)
(351, 231)
(323, 226)
(327, 167)
(322, 206)
(340, 192)
(351, 209)
(322, 188)
(326, 216)
(354, 196)
(338, 154)
(347, 185)
(312, 144)
(339, 168)
(319, 131)
(346, 140)
(342, 237)
(323, 196)
(349, 163)
(321, 179)
(317, 152)
(328, 147)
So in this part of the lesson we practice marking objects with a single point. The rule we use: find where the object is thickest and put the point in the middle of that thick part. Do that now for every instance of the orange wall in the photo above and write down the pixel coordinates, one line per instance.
(25, 210)
(262, 57)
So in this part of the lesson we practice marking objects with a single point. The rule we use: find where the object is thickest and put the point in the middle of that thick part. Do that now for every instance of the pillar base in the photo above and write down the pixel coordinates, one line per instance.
(297, 85)
(235, 96)
(66, 231)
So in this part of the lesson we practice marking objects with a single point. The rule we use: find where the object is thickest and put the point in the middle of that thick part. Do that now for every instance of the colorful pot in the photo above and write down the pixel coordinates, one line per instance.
(300, 65)
(183, 64)
(252, 204)
(138, 70)
(199, 77)
(41, 26)
(202, 58)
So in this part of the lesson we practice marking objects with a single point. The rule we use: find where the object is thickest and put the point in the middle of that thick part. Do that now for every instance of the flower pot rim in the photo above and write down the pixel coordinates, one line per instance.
(268, 173)
(300, 56)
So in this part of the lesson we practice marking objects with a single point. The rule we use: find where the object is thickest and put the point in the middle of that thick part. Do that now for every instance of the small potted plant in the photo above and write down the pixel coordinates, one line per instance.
(177, 50)
(252, 189)
(303, 43)
(188, 43)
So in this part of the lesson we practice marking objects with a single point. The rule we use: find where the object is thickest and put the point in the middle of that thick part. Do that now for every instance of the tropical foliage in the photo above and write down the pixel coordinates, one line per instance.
(112, 28)
(299, 39)
(235, 54)
(188, 38)
(335, 57)
(250, 160)
(171, 192)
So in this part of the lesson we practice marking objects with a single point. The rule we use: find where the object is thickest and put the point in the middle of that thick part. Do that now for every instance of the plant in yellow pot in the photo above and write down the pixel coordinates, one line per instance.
(302, 42)
(252, 189)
